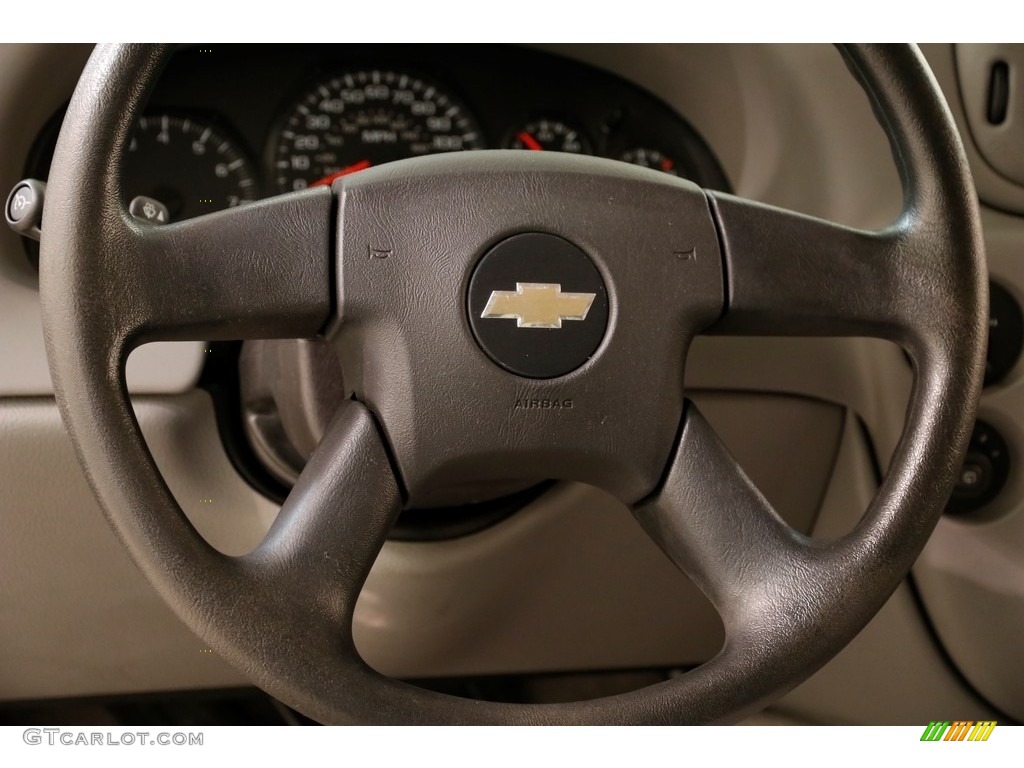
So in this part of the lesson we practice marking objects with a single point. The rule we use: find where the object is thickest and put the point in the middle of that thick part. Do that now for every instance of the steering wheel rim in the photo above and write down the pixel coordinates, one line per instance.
(283, 614)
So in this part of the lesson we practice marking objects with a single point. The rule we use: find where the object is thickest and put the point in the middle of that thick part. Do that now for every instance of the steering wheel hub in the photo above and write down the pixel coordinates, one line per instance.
(594, 228)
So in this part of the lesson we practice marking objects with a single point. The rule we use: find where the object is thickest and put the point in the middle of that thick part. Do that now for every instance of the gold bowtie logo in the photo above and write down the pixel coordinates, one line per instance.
(538, 305)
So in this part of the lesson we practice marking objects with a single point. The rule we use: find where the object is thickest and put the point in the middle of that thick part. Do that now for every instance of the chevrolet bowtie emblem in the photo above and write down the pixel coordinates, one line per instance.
(538, 305)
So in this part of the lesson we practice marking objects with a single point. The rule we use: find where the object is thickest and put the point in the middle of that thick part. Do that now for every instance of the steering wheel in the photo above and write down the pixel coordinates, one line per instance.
(505, 315)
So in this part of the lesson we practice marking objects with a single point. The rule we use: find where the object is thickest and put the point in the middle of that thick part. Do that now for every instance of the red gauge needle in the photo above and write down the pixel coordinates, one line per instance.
(529, 142)
(326, 181)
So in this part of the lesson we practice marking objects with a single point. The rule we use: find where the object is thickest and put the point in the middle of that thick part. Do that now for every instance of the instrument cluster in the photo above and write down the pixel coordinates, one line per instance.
(230, 124)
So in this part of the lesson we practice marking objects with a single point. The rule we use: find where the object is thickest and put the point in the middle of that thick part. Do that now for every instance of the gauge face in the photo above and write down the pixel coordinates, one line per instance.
(551, 136)
(364, 118)
(188, 165)
(650, 158)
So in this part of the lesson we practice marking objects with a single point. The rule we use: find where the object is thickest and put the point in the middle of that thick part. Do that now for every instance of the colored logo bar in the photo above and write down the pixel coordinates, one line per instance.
(958, 730)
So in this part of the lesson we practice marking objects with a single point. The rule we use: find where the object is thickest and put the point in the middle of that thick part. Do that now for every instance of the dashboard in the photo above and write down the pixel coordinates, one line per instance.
(230, 124)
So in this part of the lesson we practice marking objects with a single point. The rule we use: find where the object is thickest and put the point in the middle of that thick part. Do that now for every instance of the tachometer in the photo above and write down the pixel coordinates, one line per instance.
(188, 164)
(366, 117)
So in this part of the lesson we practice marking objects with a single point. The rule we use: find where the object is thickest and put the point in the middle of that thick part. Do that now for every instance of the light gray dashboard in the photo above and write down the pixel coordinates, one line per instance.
(808, 419)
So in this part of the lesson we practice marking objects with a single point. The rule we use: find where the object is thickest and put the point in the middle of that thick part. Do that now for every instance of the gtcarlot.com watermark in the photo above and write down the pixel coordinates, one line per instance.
(69, 737)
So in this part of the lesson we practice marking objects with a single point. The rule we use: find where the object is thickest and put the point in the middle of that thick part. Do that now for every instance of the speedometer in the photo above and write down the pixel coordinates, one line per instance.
(362, 118)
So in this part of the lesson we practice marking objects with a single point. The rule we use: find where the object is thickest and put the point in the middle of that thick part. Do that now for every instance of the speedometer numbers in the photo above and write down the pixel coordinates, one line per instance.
(364, 118)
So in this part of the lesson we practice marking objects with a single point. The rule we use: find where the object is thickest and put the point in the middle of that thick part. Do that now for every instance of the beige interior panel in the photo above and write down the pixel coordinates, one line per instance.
(872, 378)
(77, 616)
(993, 188)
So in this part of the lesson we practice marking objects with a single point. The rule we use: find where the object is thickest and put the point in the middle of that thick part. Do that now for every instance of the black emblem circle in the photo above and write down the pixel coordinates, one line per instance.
(521, 265)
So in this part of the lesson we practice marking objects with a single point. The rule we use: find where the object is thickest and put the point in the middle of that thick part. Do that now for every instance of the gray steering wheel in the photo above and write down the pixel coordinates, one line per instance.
(389, 265)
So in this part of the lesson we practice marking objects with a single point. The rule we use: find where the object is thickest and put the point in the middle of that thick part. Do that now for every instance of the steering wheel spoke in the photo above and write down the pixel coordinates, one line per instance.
(335, 520)
(261, 270)
(717, 527)
(796, 275)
